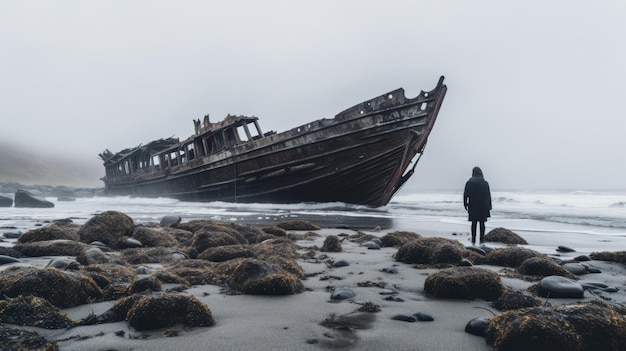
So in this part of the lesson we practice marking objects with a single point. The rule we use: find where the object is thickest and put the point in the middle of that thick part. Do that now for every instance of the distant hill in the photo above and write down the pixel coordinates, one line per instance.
(17, 164)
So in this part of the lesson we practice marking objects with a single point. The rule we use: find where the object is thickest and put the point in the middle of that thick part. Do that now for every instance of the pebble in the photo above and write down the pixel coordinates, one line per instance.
(371, 245)
(465, 263)
(477, 326)
(131, 242)
(342, 293)
(391, 270)
(341, 263)
(394, 298)
(404, 318)
(423, 317)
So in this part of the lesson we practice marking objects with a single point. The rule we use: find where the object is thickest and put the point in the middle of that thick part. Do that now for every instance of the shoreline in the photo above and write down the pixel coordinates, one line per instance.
(245, 322)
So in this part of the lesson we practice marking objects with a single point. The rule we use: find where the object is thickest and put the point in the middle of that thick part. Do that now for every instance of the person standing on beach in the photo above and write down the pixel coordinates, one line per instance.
(477, 202)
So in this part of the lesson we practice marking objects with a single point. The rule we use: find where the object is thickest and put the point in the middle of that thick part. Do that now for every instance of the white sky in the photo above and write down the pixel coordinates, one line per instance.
(536, 89)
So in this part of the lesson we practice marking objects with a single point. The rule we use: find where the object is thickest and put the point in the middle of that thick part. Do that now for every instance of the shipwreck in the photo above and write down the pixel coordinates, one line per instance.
(361, 156)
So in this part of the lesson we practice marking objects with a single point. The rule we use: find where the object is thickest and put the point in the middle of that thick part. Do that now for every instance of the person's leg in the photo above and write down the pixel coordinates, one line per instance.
(473, 232)
(482, 232)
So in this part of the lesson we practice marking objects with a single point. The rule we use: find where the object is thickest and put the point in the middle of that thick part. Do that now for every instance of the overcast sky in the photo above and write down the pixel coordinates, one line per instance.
(536, 89)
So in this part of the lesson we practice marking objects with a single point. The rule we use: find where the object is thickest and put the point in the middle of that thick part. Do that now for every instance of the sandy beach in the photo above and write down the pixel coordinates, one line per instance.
(312, 321)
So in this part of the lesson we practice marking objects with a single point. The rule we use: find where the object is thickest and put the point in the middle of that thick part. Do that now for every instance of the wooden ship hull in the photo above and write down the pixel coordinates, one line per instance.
(361, 156)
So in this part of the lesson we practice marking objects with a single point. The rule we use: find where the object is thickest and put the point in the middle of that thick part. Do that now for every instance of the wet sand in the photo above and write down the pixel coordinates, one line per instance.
(294, 322)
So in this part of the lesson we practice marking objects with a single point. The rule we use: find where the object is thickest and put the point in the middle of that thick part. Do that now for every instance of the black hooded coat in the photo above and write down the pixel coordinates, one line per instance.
(477, 197)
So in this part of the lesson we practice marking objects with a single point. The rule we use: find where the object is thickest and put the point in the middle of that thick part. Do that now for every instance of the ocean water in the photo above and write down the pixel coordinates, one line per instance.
(598, 216)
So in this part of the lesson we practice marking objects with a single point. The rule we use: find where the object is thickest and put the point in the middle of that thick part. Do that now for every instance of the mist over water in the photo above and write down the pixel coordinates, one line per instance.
(583, 212)
(597, 210)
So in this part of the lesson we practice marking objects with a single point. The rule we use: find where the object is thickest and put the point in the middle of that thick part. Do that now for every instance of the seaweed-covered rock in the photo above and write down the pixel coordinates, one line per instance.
(431, 251)
(285, 263)
(258, 277)
(146, 284)
(515, 300)
(543, 267)
(115, 273)
(213, 236)
(279, 246)
(464, 283)
(274, 230)
(509, 256)
(152, 255)
(51, 248)
(33, 311)
(248, 231)
(578, 327)
(19, 339)
(169, 310)
(331, 244)
(150, 237)
(51, 232)
(225, 253)
(107, 227)
(61, 288)
(503, 235)
(611, 256)
(398, 238)
(298, 225)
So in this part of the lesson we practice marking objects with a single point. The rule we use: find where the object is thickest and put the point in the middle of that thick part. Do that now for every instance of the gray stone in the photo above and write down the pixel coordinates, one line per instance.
(25, 198)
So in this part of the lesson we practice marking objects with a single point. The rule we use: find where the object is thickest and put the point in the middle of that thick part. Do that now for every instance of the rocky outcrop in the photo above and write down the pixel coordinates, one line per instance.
(25, 198)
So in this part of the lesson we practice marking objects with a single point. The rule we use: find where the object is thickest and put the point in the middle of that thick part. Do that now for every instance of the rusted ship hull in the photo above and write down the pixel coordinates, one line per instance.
(362, 156)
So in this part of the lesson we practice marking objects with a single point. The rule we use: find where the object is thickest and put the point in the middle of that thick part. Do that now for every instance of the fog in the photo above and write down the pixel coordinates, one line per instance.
(535, 88)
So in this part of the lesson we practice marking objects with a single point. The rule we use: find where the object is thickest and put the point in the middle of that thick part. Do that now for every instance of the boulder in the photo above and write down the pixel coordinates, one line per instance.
(560, 287)
(152, 255)
(154, 237)
(431, 251)
(611, 256)
(5, 201)
(51, 232)
(331, 244)
(505, 236)
(107, 227)
(20, 339)
(515, 300)
(146, 284)
(34, 312)
(297, 225)
(543, 266)
(213, 236)
(509, 256)
(565, 327)
(63, 289)
(259, 277)
(225, 253)
(51, 248)
(168, 310)
(465, 283)
(25, 198)
(398, 238)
